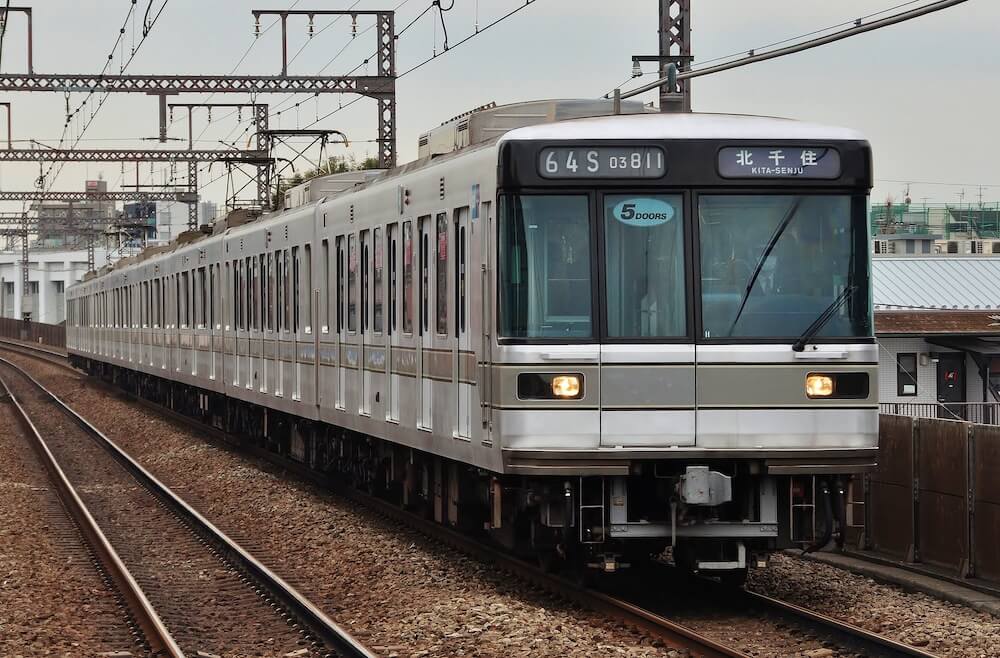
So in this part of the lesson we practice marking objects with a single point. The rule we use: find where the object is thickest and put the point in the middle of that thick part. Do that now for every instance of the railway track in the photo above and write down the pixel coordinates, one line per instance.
(644, 612)
(190, 589)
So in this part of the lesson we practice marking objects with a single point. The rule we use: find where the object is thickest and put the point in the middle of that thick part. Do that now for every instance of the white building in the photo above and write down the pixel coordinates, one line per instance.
(50, 272)
(937, 320)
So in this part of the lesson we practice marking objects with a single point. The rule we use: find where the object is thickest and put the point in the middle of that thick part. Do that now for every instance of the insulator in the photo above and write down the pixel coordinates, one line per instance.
(311, 31)
(256, 27)
(171, 115)
(210, 115)
(239, 115)
(354, 25)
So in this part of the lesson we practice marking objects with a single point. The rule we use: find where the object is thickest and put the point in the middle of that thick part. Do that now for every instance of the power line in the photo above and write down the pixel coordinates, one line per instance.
(752, 57)
(924, 182)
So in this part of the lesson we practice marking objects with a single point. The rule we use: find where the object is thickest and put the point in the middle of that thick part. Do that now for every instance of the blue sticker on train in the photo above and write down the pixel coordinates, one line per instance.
(643, 212)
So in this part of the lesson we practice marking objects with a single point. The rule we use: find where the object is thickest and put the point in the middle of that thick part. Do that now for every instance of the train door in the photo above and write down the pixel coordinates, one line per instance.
(425, 230)
(647, 364)
(341, 325)
(365, 405)
(486, 322)
(391, 328)
(351, 361)
(463, 370)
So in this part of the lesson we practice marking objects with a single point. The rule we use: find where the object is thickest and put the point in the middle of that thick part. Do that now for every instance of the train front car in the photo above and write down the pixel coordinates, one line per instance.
(684, 333)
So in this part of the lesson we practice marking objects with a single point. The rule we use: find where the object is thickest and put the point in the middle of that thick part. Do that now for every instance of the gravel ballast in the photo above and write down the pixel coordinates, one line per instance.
(405, 596)
(54, 601)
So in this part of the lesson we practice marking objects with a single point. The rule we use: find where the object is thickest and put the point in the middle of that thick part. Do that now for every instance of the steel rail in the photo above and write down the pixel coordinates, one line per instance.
(879, 644)
(155, 632)
(304, 610)
(674, 634)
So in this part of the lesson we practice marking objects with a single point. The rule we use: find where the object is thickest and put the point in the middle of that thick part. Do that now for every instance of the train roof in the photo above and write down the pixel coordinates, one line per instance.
(682, 126)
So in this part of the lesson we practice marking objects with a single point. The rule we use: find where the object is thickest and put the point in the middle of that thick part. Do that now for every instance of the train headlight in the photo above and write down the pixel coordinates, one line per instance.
(819, 386)
(566, 386)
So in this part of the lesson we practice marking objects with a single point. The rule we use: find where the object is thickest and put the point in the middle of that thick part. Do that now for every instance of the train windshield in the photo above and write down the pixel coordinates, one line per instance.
(772, 264)
(545, 269)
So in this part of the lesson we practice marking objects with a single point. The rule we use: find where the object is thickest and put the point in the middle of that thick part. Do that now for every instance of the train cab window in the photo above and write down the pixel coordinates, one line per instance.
(325, 286)
(441, 294)
(378, 291)
(771, 265)
(352, 283)
(545, 270)
(407, 277)
(644, 266)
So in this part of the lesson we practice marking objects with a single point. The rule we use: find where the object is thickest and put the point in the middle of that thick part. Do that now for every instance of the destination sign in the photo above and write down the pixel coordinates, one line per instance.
(779, 162)
(602, 162)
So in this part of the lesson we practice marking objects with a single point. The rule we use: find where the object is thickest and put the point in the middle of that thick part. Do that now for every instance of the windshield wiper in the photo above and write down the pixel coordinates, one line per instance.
(824, 317)
(775, 236)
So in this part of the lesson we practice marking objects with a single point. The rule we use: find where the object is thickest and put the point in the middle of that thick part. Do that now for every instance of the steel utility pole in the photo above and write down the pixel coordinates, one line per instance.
(675, 48)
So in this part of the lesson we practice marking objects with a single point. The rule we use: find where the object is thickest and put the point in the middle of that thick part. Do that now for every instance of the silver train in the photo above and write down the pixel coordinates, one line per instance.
(586, 333)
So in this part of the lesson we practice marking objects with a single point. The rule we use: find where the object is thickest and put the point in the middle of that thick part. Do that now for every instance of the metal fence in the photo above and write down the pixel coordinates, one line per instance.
(935, 498)
(53, 335)
(984, 413)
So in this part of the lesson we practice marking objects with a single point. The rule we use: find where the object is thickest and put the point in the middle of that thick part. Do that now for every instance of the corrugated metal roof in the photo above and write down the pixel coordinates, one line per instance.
(946, 282)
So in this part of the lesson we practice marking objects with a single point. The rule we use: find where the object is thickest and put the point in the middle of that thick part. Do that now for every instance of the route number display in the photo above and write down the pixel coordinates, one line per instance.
(602, 162)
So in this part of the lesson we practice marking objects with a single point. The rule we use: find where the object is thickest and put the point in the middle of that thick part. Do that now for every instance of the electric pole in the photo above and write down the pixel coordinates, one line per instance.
(675, 48)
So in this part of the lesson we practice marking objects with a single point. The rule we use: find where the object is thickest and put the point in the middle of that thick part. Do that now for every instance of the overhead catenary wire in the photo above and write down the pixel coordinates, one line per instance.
(753, 57)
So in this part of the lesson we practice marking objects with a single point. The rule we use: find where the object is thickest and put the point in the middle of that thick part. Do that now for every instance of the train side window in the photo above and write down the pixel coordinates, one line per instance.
(424, 248)
(340, 284)
(288, 289)
(460, 283)
(377, 287)
(262, 292)
(296, 289)
(204, 284)
(407, 277)
(442, 274)
(178, 298)
(391, 248)
(212, 287)
(279, 293)
(306, 280)
(364, 281)
(324, 299)
(249, 284)
(352, 283)
(269, 305)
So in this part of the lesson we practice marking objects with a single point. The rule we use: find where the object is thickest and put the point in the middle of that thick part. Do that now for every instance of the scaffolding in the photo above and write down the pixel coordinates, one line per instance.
(944, 221)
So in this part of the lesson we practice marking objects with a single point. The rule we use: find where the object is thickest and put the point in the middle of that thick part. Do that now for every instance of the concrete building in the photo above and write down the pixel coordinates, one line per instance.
(60, 223)
(50, 272)
(937, 320)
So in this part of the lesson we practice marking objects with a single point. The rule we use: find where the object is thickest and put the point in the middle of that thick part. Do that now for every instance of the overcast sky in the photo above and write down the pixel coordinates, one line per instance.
(926, 93)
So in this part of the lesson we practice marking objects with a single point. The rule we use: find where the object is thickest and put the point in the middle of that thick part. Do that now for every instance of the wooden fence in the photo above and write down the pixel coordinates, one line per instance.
(935, 498)
(53, 335)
